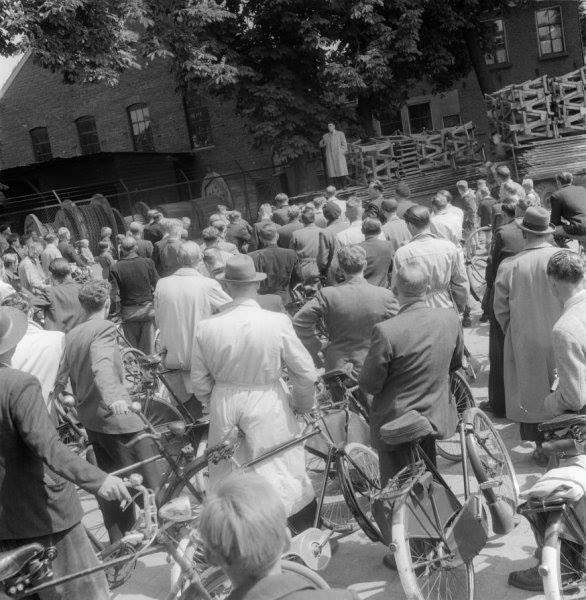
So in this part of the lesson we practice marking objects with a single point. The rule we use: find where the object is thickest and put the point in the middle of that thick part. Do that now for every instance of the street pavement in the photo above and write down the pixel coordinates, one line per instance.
(356, 562)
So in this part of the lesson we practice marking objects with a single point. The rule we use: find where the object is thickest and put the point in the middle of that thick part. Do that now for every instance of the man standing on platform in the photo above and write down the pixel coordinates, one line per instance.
(335, 146)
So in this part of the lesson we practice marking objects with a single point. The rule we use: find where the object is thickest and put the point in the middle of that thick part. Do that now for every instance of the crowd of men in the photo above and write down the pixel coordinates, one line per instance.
(389, 293)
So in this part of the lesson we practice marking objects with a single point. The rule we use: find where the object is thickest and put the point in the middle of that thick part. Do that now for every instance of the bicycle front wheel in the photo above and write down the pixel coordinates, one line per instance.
(462, 397)
(427, 566)
(561, 559)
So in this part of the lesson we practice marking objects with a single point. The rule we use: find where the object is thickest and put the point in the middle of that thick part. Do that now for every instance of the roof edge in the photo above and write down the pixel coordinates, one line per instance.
(14, 73)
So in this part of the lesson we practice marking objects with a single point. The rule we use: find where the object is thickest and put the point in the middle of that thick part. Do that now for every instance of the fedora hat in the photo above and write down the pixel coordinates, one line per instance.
(240, 269)
(13, 325)
(536, 220)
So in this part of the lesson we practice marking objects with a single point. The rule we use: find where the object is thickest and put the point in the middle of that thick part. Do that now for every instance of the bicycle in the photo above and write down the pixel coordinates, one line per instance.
(433, 536)
(561, 521)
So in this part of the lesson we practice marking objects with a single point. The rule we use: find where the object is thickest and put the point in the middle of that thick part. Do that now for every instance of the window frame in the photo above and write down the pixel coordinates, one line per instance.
(497, 63)
(35, 144)
(91, 147)
(563, 38)
(137, 144)
(191, 123)
(424, 103)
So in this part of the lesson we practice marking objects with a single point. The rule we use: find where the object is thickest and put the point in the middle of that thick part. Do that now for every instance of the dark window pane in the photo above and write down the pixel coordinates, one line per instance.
(140, 125)
(392, 124)
(499, 53)
(451, 120)
(198, 121)
(420, 117)
(41, 144)
(89, 142)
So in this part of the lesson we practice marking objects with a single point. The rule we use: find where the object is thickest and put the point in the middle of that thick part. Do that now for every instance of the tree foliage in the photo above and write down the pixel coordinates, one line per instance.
(290, 65)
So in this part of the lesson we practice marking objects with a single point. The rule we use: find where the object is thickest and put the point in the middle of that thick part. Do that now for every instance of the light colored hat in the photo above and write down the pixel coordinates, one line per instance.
(13, 326)
(240, 269)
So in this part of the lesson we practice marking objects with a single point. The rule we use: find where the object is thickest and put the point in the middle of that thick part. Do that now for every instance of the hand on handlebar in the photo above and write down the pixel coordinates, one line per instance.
(120, 407)
(114, 488)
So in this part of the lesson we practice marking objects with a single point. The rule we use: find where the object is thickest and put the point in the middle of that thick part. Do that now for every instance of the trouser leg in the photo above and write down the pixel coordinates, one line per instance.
(496, 378)
(132, 333)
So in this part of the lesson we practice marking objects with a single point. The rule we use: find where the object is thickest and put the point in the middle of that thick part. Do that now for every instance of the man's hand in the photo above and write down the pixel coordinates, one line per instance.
(120, 407)
(114, 488)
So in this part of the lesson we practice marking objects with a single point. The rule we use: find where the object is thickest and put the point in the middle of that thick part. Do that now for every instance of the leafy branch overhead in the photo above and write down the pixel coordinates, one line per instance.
(290, 65)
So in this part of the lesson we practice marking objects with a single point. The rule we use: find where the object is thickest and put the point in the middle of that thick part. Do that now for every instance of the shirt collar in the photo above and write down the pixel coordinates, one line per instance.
(130, 256)
(187, 271)
(579, 297)
(356, 224)
(413, 305)
(424, 234)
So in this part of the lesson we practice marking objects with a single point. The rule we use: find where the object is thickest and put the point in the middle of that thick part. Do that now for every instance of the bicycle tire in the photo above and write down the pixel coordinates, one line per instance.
(491, 464)
(554, 560)
(461, 393)
(356, 486)
(417, 579)
(218, 585)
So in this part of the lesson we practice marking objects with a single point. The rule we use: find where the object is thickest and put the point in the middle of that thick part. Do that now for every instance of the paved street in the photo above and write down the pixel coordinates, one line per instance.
(357, 561)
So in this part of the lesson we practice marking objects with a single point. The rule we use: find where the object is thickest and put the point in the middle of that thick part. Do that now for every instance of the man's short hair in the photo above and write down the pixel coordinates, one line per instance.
(503, 171)
(352, 259)
(17, 300)
(308, 215)
(353, 209)
(371, 226)
(172, 227)
(189, 254)
(268, 232)
(293, 212)
(50, 238)
(462, 184)
(319, 201)
(527, 182)
(234, 215)
(448, 195)
(439, 201)
(105, 232)
(418, 216)
(103, 246)
(281, 199)
(565, 178)
(93, 295)
(62, 233)
(210, 234)
(389, 205)
(59, 268)
(265, 210)
(331, 191)
(566, 266)
(403, 190)
(135, 227)
(332, 211)
(220, 225)
(510, 188)
(33, 249)
(128, 245)
(243, 523)
(411, 281)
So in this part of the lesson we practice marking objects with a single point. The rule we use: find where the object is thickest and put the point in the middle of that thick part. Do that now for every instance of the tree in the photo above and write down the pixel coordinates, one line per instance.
(291, 65)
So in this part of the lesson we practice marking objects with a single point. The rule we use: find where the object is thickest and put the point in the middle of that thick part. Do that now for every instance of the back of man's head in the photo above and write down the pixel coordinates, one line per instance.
(352, 259)
(210, 234)
(265, 211)
(371, 227)
(411, 282)
(93, 295)
(417, 216)
(330, 191)
(281, 199)
(128, 245)
(319, 201)
(332, 211)
(439, 202)
(462, 185)
(389, 205)
(308, 215)
(503, 172)
(63, 233)
(234, 216)
(269, 233)
(60, 268)
(293, 212)
(135, 228)
(565, 178)
(17, 300)
(354, 209)
(566, 267)
(189, 254)
(50, 238)
(402, 190)
(448, 196)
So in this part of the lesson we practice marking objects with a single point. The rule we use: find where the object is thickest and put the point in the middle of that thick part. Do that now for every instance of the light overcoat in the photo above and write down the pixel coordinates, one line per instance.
(335, 149)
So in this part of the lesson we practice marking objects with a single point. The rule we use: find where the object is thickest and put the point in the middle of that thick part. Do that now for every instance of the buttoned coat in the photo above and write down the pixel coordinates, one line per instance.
(379, 260)
(335, 149)
(526, 310)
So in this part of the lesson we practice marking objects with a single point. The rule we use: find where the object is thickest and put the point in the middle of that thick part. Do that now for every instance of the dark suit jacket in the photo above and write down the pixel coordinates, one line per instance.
(379, 259)
(408, 366)
(327, 261)
(62, 308)
(92, 362)
(349, 312)
(152, 233)
(68, 253)
(35, 499)
(281, 215)
(239, 233)
(165, 256)
(144, 248)
(569, 203)
(286, 231)
(256, 242)
(279, 265)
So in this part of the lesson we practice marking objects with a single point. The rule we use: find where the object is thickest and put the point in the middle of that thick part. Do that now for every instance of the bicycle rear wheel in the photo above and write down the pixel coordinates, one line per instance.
(462, 396)
(359, 475)
(428, 567)
(563, 577)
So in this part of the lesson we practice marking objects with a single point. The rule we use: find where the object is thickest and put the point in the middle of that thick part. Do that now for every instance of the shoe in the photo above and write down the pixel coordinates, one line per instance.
(466, 321)
(389, 562)
(528, 580)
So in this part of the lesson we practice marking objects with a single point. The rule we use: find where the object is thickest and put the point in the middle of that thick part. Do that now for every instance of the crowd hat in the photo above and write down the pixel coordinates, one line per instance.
(13, 326)
(240, 269)
(536, 220)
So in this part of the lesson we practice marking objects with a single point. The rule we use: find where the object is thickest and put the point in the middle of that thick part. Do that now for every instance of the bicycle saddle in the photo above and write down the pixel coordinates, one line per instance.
(562, 422)
(12, 561)
(408, 428)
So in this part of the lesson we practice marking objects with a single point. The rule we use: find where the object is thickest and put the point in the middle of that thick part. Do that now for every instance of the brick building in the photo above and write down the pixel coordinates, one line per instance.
(534, 38)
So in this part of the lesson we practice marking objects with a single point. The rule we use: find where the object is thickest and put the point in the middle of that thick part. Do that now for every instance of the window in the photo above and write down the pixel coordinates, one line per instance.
(41, 144)
(140, 125)
(198, 121)
(550, 31)
(420, 117)
(498, 53)
(451, 120)
(89, 142)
